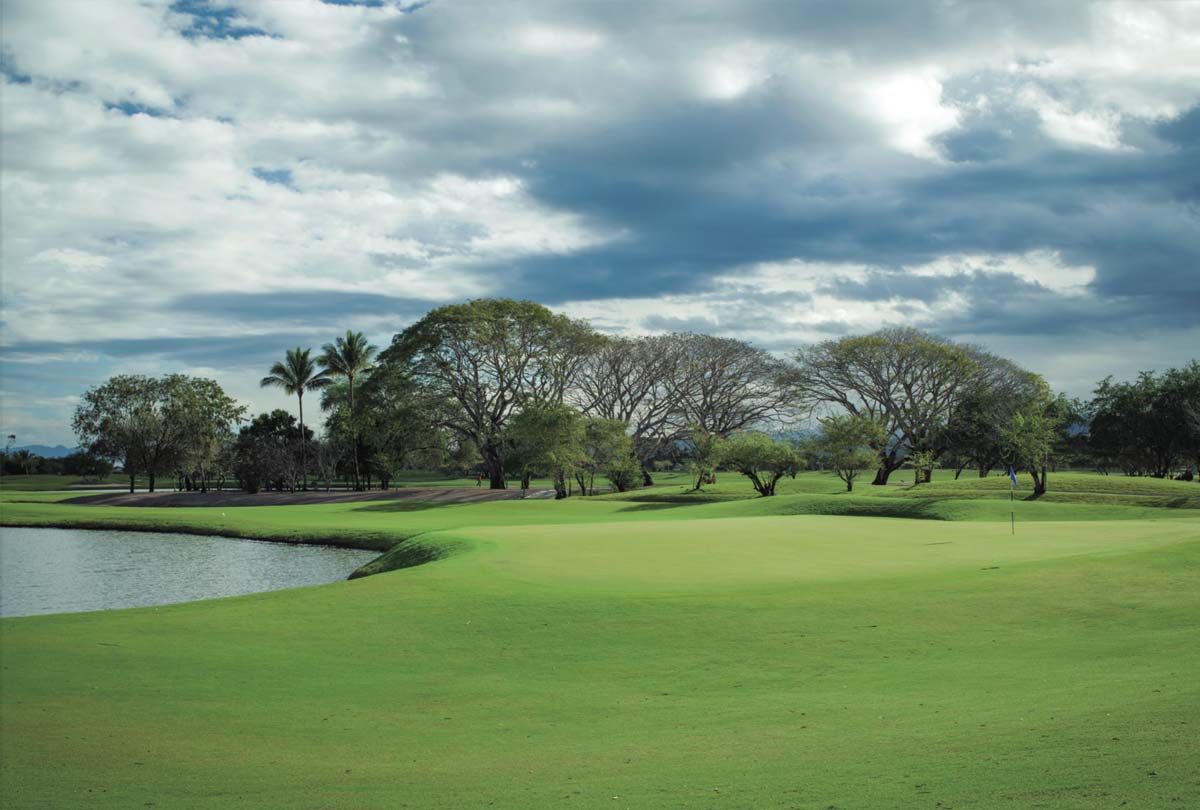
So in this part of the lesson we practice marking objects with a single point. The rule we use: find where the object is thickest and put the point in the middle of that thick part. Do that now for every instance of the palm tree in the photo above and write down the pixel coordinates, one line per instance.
(348, 357)
(295, 375)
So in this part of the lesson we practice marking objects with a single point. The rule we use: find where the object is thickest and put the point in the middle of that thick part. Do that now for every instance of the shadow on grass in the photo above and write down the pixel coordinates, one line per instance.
(658, 507)
(404, 506)
(1180, 503)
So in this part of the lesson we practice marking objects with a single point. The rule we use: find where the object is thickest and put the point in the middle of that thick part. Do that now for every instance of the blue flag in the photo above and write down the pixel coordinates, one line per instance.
(1012, 476)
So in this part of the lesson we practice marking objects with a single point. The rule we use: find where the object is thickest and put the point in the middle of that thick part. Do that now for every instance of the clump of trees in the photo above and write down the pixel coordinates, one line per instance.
(270, 453)
(80, 463)
(153, 426)
(680, 389)
(908, 381)
(514, 391)
(1148, 426)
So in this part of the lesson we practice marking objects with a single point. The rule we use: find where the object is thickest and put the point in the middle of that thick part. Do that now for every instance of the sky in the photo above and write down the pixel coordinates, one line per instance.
(196, 187)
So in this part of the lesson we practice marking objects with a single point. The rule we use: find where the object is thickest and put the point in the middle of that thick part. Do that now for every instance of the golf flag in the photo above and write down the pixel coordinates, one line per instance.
(1012, 476)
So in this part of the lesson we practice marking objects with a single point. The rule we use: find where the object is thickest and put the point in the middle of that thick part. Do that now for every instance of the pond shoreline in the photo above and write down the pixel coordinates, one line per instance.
(73, 568)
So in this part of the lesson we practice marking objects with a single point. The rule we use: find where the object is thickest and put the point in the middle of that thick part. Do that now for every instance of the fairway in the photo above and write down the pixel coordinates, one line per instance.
(622, 652)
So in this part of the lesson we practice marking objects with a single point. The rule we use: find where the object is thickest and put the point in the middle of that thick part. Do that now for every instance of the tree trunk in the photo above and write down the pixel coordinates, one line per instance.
(494, 467)
(132, 479)
(353, 434)
(1039, 480)
(927, 475)
(303, 448)
(560, 485)
(151, 482)
(647, 481)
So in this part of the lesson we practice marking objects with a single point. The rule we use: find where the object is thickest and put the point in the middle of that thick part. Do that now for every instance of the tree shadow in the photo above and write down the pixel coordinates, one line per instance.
(653, 507)
(404, 506)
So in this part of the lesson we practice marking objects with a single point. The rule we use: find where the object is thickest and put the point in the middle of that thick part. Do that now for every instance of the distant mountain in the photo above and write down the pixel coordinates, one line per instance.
(45, 450)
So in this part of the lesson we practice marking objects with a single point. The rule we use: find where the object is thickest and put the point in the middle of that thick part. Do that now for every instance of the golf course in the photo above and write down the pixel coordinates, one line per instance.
(902, 646)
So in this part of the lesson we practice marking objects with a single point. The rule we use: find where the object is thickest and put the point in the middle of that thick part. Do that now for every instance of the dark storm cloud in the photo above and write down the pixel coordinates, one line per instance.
(313, 305)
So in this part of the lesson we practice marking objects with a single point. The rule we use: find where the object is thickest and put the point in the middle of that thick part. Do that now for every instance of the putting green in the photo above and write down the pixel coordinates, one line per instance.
(729, 662)
(698, 556)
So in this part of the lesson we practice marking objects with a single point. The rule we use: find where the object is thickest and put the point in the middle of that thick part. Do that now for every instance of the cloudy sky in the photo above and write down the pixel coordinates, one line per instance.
(192, 186)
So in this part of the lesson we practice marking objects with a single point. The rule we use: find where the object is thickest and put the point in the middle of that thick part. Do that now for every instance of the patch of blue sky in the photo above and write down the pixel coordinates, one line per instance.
(133, 108)
(213, 19)
(280, 177)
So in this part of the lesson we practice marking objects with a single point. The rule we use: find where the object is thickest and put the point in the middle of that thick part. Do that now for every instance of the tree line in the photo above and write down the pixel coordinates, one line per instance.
(510, 390)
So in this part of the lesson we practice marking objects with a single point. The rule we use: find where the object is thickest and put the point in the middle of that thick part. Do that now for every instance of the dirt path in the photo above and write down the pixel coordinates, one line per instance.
(436, 494)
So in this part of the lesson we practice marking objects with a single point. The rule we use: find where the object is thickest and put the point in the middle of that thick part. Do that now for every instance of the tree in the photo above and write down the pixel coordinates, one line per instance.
(150, 424)
(847, 442)
(704, 457)
(349, 357)
(1146, 426)
(730, 386)
(329, 455)
(25, 461)
(664, 385)
(267, 453)
(761, 459)
(485, 360)
(87, 465)
(296, 374)
(607, 450)
(209, 417)
(548, 437)
(923, 463)
(396, 425)
(905, 379)
(1029, 442)
(637, 381)
(972, 435)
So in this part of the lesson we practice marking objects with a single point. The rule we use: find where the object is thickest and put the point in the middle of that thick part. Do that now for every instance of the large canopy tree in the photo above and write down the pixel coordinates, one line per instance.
(905, 379)
(296, 374)
(486, 358)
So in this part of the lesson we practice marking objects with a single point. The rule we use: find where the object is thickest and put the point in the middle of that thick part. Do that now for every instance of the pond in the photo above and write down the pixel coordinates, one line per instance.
(62, 570)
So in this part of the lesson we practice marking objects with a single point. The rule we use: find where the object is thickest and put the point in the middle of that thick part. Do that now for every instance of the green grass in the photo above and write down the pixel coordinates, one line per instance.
(812, 650)
(34, 483)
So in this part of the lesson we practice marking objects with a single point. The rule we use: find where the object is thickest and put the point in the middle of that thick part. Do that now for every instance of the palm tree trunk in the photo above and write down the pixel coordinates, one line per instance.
(354, 434)
(303, 448)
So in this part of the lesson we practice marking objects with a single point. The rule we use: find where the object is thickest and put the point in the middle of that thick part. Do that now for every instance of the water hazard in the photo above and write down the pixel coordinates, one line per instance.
(67, 570)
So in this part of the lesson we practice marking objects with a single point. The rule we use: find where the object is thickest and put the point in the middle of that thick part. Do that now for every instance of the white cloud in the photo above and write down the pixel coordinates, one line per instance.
(796, 301)
(1096, 128)
(909, 107)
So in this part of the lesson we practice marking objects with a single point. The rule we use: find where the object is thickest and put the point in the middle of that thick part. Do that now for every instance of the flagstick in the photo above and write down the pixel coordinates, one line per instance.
(1012, 511)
